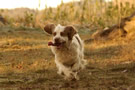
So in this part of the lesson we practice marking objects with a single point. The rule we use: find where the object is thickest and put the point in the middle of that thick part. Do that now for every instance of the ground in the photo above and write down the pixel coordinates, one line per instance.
(27, 63)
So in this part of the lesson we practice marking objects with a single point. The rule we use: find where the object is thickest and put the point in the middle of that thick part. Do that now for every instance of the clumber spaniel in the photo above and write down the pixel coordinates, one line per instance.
(68, 49)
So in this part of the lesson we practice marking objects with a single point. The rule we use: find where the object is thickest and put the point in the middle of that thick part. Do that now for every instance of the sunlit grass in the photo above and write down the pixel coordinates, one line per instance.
(26, 61)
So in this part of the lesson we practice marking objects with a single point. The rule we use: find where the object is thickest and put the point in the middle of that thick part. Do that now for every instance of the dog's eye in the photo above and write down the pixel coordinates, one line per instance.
(62, 33)
(54, 33)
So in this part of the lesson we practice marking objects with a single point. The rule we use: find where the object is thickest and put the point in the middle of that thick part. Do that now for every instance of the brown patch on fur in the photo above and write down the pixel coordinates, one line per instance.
(49, 28)
(79, 41)
(70, 31)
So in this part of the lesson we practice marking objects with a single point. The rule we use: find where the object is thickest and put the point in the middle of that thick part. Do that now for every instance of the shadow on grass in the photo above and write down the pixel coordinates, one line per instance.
(130, 68)
(103, 53)
(27, 55)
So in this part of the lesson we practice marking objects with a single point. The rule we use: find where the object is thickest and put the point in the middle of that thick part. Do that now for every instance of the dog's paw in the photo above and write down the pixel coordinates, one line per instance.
(69, 78)
(61, 73)
(72, 77)
(77, 77)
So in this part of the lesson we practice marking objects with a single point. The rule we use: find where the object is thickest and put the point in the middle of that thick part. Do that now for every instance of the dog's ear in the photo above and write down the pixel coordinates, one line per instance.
(70, 31)
(49, 28)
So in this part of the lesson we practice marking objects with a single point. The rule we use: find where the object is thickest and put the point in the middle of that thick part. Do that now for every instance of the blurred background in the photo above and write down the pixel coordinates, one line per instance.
(107, 28)
(88, 13)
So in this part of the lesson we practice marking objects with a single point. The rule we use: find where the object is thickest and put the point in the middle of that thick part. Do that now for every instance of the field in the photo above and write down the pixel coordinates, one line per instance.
(27, 63)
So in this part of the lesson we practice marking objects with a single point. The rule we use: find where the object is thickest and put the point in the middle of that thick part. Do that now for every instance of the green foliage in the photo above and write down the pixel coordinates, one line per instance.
(96, 12)
(28, 19)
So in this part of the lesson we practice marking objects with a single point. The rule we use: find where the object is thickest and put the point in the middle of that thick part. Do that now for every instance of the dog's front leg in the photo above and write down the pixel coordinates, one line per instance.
(76, 75)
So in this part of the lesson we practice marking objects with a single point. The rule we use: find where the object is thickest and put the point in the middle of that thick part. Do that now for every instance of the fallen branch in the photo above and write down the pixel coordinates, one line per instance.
(107, 32)
(118, 26)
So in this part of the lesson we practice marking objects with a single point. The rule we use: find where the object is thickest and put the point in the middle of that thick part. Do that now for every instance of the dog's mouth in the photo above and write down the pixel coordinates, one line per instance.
(58, 45)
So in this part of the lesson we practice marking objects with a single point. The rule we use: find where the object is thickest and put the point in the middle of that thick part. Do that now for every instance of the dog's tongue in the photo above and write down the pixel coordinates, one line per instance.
(50, 44)
(58, 45)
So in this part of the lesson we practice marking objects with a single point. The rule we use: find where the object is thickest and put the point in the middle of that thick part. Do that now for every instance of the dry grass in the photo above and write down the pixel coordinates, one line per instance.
(91, 13)
(26, 62)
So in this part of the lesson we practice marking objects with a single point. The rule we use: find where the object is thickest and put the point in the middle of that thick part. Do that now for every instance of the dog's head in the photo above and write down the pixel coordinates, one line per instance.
(61, 34)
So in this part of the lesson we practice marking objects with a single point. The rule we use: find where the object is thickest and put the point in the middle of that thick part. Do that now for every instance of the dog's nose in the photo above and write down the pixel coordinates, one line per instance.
(57, 40)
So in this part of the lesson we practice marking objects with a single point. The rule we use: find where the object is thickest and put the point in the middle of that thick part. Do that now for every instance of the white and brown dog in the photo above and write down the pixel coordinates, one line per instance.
(68, 50)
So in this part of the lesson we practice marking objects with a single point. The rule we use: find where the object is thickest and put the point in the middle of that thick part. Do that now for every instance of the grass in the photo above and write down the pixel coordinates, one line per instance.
(94, 14)
(26, 62)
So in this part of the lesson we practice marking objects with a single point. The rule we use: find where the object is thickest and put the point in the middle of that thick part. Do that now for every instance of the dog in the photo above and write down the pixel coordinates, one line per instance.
(68, 49)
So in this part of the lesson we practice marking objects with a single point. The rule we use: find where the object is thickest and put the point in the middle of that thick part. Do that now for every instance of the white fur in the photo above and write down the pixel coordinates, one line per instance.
(71, 52)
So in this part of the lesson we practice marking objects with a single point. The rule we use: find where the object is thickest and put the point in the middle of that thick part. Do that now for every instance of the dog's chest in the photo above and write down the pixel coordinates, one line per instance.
(66, 56)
